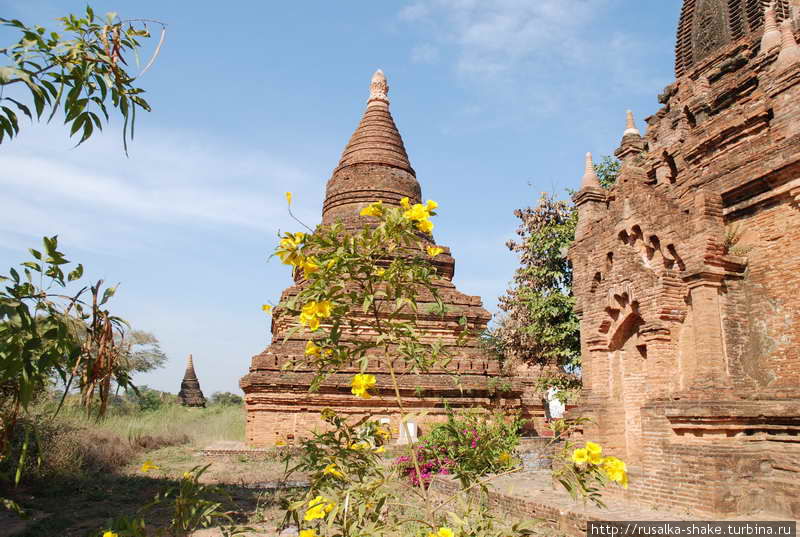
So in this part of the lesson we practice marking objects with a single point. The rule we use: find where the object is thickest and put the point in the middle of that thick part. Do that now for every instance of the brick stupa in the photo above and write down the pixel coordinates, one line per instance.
(687, 275)
(191, 394)
(374, 167)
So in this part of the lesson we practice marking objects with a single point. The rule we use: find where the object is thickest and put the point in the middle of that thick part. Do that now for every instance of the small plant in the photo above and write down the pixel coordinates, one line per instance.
(193, 504)
(584, 471)
(469, 445)
(731, 243)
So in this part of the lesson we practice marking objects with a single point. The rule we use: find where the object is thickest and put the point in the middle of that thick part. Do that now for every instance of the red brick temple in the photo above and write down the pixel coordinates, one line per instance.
(687, 274)
(374, 167)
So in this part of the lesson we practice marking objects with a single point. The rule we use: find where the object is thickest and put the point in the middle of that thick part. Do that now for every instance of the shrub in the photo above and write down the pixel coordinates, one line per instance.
(471, 444)
(226, 398)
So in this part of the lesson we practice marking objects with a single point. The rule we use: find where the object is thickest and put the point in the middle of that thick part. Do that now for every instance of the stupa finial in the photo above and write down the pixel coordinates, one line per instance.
(772, 35)
(630, 126)
(379, 88)
(790, 50)
(590, 179)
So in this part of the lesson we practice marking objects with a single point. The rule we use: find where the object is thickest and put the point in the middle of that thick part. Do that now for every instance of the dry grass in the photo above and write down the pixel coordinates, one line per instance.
(173, 424)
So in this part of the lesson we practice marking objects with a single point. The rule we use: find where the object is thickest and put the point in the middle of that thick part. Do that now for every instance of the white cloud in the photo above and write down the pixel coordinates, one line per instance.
(168, 180)
(424, 53)
(494, 37)
(539, 56)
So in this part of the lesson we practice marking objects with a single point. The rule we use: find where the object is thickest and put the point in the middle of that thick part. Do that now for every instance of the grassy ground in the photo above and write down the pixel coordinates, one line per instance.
(90, 471)
(200, 427)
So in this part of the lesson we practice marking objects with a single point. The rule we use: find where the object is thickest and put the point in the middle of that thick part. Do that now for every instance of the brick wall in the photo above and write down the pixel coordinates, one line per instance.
(687, 277)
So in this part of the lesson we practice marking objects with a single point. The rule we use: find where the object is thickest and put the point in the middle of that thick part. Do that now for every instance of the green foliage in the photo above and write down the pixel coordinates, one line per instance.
(539, 325)
(346, 473)
(141, 352)
(471, 444)
(376, 274)
(49, 331)
(226, 399)
(608, 171)
(81, 71)
(149, 399)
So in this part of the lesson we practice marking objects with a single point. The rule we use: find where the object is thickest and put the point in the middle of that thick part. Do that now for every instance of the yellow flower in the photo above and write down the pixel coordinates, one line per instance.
(616, 470)
(417, 212)
(426, 226)
(595, 450)
(442, 532)
(318, 508)
(318, 309)
(580, 456)
(331, 470)
(280, 443)
(311, 349)
(405, 204)
(359, 446)
(289, 198)
(379, 449)
(383, 433)
(110, 533)
(266, 308)
(324, 308)
(308, 533)
(433, 251)
(309, 266)
(312, 321)
(373, 209)
(380, 271)
(148, 465)
(431, 205)
(504, 458)
(288, 248)
(314, 311)
(361, 385)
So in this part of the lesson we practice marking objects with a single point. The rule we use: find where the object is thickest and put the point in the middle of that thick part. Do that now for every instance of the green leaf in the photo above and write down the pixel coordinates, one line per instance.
(75, 274)
(109, 292)
(24, 109)
(12, 117)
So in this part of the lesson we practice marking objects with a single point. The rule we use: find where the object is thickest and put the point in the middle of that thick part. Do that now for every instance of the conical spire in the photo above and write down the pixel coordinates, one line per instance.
(772, 35)
(374, 165)
(630, 127)
(376, 140)
(590, 179)
(190, 374)
(790, 50)
(191, 394)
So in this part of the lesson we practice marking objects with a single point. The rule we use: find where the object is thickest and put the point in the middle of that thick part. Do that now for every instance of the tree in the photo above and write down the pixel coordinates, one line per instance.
(539, 325)
(226, 399)
(80, 72)
(141, 352)
(48, 329)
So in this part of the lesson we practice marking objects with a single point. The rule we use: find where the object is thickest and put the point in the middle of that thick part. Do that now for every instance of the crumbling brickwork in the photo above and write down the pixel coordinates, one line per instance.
(687, 274)
(190, 393)
(374, 167)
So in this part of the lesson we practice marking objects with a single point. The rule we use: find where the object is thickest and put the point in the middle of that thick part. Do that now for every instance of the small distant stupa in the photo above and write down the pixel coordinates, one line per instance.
(191, 394)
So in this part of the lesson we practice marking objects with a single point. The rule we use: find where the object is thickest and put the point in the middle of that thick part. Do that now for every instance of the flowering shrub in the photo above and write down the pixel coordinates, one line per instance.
(193, 506)
(471, 444)
(431, 460)
(375, 275)
(584, 471)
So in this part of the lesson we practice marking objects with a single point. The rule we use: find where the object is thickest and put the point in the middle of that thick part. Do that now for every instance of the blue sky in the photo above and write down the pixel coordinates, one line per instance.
(497, 101)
